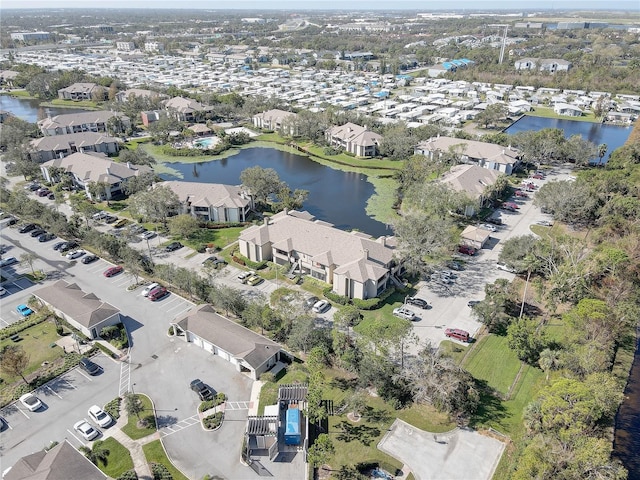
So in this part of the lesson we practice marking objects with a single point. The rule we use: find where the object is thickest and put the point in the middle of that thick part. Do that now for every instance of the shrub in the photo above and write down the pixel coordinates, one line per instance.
(206, 405)
(130, 475)
(267, 377)
(368, 304)
(334, 297)
(220, 398)
(113, 407)
(160, 472)
(212, 421)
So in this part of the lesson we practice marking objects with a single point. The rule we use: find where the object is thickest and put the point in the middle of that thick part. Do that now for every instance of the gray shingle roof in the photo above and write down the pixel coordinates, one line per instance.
(471, 179)
(80, 140)
(81, 118)
(352, 133)
(229, 336)
(472, 148)
(85, 308)
(62, 462)
(208, 194)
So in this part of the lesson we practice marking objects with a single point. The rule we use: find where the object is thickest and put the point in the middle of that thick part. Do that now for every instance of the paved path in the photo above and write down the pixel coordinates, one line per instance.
(140, 463)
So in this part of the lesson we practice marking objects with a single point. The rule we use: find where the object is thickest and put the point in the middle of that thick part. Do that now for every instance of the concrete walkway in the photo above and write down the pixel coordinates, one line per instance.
(255, 398)
(140, 463)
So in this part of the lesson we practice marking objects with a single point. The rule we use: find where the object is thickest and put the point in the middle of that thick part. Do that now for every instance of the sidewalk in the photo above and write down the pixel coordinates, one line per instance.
(134, 446)
(255, 398)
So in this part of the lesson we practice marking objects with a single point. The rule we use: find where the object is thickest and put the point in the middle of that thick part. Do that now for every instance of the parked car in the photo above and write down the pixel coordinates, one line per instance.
(32, 187)
(31, 402)
(45, 237)
(23, 310)
(203, 391)
(99, 416)
(120, 223)
(521, 194)
(89, 259)
(68, 246)
(494, 220)
(26, 228)
(99, 215)
(136, 229)
(467, 250)
(472, 303)
(321, 306)
(37, 232)
(439, 277)
(214, 261)
(310, 302)
(538, 176)
(488, 226)
(59, 245)
(111, 271)
(88, 366)
(173, 246)
(403, 312)
(244, 276)
(455, 265)
(75, 254)
(157, 293)
(457, 334)
(512, 207)
(43, 192)
(147, 290)
(254, 280)
(12, 221)
(51, 196)
(148, 235)
(545, 223)
(110, 218)
(5, 262)
(418, 302)
(85, 429)
(505, 267)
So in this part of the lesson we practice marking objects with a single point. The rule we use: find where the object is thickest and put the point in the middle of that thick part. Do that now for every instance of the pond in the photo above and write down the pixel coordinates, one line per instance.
(597, 133)
(30, 110)
(335, 196)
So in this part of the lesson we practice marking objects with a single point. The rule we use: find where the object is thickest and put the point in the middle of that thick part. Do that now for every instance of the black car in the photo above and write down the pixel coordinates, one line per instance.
(204, 392)
(37, 232)
(472, 303)
(27, 227)
(59, 245)
(214, 261)
(45, 237)
(88, 366)
(173, 246)
(110, 219)
(12, 221)
(51, 196)
(418, 302)
(495, 221)
(68, 246)
(89, 259)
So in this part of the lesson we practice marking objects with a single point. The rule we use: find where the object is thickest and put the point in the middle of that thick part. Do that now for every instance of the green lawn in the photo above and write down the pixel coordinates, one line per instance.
(131, 428)
(269, 392)
(36, 342)
(154, 453)
(118, 460)
(454, 350)
(220, 237)
(492, 361)
(58, 102)
(549, 113)
(382, 316)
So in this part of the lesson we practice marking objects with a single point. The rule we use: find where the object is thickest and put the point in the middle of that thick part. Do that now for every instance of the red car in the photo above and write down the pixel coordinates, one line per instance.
(457, 334)
(111, 271)
(157, 293)
(538, 176)
(520, 193)
(467, 250)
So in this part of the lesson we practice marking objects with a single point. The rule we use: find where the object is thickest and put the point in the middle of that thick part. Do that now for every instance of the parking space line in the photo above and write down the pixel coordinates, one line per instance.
(84, 375)
(126, 280)
(181, 425)
(74, 436)
(125, 378)
(14, 283)
(71, 384)
(20, 410)
(4, 322)
(52, 391)
(185, 310)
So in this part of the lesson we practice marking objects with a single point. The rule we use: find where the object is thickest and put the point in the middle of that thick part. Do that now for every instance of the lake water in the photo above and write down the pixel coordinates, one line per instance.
(30, 110)
(335, 196)
(597, 133)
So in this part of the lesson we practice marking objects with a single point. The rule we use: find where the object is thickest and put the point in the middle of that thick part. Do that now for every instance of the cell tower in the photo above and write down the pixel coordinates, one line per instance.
(504, 39)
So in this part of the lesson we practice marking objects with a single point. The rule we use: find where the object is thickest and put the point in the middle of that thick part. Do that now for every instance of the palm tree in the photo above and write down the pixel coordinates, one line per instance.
(97, 453)
(602, 149)
(548, 361)
(29, 257)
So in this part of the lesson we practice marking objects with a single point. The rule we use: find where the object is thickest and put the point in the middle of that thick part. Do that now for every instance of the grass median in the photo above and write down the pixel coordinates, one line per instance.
(117, 461)
(143, 425)
(154, 453)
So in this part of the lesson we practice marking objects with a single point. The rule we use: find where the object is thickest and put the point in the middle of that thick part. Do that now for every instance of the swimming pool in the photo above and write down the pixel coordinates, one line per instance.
(208, 142)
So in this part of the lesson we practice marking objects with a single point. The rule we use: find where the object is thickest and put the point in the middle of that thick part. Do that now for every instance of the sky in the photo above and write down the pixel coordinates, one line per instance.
(333, 4)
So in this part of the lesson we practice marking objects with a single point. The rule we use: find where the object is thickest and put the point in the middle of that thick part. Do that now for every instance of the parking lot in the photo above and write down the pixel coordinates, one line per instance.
(66, 400)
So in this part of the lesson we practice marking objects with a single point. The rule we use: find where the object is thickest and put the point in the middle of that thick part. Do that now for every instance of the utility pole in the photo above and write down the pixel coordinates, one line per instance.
(504, 39)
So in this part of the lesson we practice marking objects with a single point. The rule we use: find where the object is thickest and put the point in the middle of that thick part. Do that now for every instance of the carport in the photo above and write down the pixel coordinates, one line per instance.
(475, 237)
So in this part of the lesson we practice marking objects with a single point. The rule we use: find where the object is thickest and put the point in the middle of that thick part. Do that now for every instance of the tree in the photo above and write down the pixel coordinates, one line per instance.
(346, 317)
(302, 333)
(602, 150)
(139, 183)
(98, 452)
(287, 199)
(492, 114)
(136, 157)
(572, 202)
(549, 360)
(525, 340)
(228, 298)
(321, 450)
(579, 150)
(133, 404)
(99, 190)
(14, 360)
(156, 204)
(261, 182)
(29, 258)
(183, 225)
(397, 142)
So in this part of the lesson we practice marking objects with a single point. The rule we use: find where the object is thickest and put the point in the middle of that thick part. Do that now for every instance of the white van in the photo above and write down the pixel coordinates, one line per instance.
(147, 290)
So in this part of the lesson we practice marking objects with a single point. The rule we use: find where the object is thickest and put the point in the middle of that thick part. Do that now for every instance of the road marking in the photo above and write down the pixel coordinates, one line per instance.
(125, 378)
(74, 436)
(126, 280)
(14, 283)
(84, 375)
(4, 321)
(71, 384)
(20, 410)
(236, 405)
(185, 310)
(180, 425)
(52, 391)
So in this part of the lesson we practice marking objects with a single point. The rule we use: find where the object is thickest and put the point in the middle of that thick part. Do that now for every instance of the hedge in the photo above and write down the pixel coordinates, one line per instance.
(113, 408)
(23, 325)
(373, 303)
(242, 260)
(334, 297)
(212, 421)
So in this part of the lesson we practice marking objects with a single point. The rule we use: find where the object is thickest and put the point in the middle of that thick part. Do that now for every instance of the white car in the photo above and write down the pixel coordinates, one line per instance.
(403, 312)
(85, 429)
(75, 254)
(147, 290)
(31, 402)
(321, 306)
(147, 235)
(505, 267)
(488, 226)
(545, 223)
(99, 416)
(244, 276)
